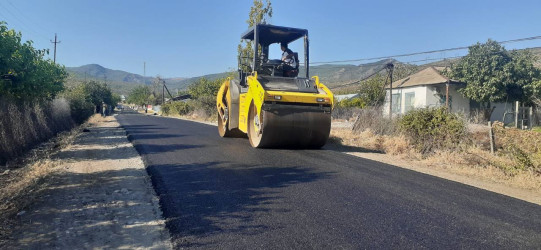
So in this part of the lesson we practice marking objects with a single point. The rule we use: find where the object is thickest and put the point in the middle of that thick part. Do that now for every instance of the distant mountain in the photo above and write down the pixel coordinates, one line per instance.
(120, 81)
(336, 74)
(96, 71)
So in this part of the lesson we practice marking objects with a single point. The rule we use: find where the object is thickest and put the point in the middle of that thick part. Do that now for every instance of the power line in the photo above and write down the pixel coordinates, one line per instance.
(40, 27)
(407, 62)
(21, 22)
(424, 52)
(385, 66)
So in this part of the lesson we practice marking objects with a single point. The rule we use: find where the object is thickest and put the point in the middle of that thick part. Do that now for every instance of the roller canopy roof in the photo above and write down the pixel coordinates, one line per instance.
(269, 34)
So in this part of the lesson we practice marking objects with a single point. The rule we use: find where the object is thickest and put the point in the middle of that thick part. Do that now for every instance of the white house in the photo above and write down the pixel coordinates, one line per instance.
(426, 88)
(429, 88)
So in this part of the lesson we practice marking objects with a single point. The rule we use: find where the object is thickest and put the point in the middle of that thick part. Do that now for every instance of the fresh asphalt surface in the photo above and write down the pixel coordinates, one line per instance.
(221, 193)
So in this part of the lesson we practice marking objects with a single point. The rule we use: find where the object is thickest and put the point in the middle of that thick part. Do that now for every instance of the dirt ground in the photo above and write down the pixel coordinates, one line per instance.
(99, 197)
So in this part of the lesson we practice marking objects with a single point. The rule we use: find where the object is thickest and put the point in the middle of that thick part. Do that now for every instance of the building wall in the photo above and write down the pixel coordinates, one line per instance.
(429, 96)
(500, 109)
(458, 103)
(420, 98)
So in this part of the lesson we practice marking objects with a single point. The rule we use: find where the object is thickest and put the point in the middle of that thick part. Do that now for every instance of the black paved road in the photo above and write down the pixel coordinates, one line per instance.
(221, 193)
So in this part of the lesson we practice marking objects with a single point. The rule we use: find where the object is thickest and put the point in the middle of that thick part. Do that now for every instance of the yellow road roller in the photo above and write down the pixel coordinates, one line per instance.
(269, 102)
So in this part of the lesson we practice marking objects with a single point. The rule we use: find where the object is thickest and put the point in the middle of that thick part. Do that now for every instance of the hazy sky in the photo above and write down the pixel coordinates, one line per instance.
(191, 38)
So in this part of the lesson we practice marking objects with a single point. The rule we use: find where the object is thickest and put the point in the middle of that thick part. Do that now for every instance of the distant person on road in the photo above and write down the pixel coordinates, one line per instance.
(290, 61)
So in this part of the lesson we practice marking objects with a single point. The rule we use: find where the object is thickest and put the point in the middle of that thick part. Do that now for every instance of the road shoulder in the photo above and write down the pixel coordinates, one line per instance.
(99, 197)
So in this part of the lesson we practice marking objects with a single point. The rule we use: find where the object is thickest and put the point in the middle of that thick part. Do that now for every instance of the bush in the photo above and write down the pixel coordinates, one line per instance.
(176, 108)
(430, 129)
(87, 98)
(352, 102)
(206, 104)
(81, 109)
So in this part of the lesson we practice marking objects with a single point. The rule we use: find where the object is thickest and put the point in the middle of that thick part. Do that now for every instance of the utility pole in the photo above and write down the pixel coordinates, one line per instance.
(447, 94)
(55, 42)
(144, 72)
(390, 67)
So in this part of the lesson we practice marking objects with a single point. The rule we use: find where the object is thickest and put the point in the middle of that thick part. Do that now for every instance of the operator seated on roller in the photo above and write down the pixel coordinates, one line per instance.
(290, 65)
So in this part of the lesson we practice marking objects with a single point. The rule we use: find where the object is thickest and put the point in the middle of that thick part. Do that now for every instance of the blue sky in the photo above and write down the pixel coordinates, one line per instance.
(191, 38)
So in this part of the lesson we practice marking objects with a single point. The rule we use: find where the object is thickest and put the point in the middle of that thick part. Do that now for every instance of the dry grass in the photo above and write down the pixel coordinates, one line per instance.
(345, 113)
(523, 147)
(25, 176)
(373, 120)
(368, 140)
(21, 183)
(474, 160)
(93, 120)
(25, 125)
(479, 163)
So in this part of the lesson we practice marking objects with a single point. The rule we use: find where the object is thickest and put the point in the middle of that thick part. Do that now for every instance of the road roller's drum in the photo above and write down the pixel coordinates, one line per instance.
(289, 126)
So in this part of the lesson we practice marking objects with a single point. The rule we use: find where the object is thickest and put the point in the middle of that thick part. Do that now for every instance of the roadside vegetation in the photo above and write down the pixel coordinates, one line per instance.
(202, 102)
(38, 115)
(199, 102)
(34, 102)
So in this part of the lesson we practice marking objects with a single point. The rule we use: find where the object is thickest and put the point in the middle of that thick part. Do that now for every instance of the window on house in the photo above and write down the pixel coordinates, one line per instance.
(396, 103)
(410, 101)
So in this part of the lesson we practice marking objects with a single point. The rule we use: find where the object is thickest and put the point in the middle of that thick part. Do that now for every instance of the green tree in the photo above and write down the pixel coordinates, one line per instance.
(87, 98)
(98, 94)
(524, 77)
(139, 96)
(27, 75)
(203, 87)
(259, 13)
(493, 74)
(80, 105)
(116, 99)
(372, 92)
